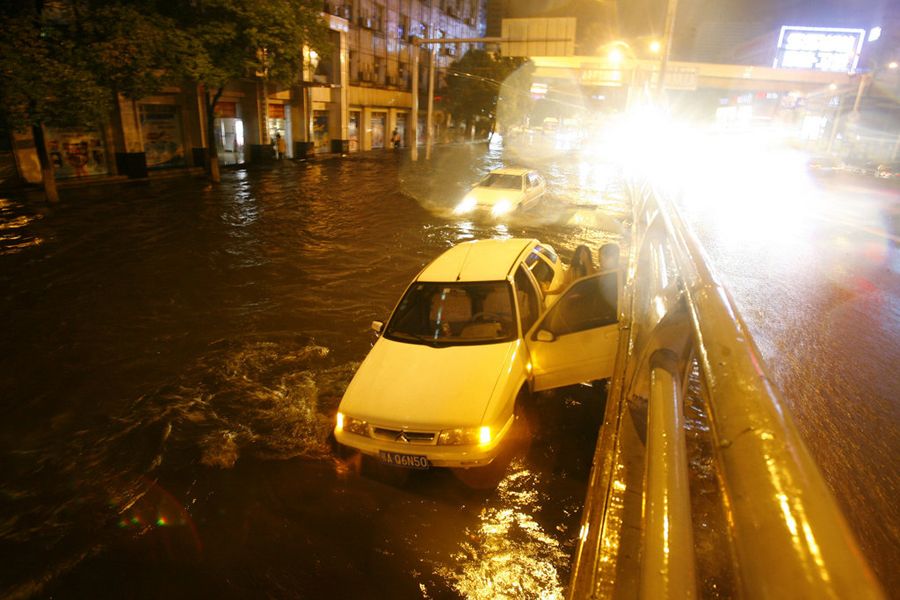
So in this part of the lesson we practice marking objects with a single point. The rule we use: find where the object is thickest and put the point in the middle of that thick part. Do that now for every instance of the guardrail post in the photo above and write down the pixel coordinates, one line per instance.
(668, 550)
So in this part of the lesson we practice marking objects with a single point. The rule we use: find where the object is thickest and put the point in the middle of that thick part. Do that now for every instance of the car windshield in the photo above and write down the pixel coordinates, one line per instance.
(502, 181)
(454, 314)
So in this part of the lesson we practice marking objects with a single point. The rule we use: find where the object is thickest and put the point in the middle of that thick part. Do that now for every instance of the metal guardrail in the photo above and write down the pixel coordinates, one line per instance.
(784, 534)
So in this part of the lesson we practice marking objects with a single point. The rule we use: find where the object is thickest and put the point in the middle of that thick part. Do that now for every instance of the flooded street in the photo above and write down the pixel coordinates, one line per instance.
(174, 354)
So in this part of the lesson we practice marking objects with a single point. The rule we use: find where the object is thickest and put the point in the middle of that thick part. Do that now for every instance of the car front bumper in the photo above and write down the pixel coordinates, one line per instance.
(437, 456)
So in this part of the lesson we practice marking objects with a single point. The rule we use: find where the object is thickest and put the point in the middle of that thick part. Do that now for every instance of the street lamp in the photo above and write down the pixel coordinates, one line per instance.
(615, 56)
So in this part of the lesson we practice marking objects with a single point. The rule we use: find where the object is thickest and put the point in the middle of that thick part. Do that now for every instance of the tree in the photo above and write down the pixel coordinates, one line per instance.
(515, 104)
(474, 83)
(62, 62)
(236, 39)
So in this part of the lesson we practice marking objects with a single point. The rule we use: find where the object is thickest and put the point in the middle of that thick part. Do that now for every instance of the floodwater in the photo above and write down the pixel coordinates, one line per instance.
(173, 356)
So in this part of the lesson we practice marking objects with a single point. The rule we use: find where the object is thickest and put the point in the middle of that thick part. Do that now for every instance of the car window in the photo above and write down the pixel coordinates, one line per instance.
(542, 272)
(588, 304)
(547, 253)
(550, 254)
(454, 313)
(502, 181)
(527, 296)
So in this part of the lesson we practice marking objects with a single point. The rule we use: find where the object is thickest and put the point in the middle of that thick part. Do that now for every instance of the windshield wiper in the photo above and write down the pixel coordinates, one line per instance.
(419, 338)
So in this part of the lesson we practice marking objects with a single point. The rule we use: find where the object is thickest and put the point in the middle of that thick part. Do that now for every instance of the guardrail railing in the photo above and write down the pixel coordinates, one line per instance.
(780, 533)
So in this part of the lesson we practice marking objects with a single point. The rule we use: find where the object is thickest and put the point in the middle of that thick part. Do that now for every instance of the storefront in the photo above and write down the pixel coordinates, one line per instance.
(353, 130)
(76, 151)
(279, 124)
(401, 128)
(229, 132)
(379, 121)
(162, 135)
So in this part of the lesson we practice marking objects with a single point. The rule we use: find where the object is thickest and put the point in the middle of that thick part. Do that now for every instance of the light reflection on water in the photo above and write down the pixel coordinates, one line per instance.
(509, 555)
(15, 234)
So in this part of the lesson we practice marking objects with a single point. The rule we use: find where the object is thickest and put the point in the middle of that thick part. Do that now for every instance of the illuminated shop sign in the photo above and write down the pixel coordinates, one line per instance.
(819, 48)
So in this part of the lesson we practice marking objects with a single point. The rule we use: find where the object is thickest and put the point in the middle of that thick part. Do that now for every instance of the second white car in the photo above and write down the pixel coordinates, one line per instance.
(503, 191)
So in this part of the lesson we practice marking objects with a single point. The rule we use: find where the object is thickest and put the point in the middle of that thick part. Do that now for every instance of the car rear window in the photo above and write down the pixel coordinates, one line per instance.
(502, 181)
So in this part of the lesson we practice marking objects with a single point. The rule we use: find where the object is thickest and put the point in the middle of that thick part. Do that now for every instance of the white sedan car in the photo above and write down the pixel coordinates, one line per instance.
(471, 336)
(503, 191)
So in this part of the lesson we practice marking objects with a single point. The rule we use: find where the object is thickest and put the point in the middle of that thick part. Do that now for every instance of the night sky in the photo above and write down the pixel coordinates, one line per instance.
(711, 30)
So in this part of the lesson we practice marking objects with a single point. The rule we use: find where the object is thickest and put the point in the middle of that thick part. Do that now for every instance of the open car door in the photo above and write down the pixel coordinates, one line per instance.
(577, 338)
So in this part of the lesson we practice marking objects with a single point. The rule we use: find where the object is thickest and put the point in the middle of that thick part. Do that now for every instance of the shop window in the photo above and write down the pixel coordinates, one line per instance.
(229, 133)
(379, 120)
(161, 130)
(76, 151)
(353, 130)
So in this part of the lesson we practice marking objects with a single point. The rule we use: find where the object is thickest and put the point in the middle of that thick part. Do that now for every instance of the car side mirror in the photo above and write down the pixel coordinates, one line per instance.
(545, 336)
(377, 326)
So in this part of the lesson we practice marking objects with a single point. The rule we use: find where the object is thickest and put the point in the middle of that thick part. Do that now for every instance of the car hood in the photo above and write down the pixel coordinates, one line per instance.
(418, 386)
(490, 197)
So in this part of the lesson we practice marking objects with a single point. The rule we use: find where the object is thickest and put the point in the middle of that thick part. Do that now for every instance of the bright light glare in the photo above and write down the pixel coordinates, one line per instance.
(874, 34)
(615, 56)
(892, 64)
(484, 435)
(467, 205)
(655, 47)
(501, 208)
(340, 422)
(754, 187)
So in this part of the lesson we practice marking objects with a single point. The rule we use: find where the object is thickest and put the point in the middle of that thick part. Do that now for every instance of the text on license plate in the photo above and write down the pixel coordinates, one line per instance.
(409, 461)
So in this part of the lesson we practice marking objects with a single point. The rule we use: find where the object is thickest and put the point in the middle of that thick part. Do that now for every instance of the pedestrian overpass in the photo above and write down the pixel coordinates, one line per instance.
(688, 76)
(701, 485)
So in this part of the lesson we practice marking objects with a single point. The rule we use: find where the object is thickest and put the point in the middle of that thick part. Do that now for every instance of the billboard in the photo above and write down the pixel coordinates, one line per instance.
(819, 48)
(538, 37)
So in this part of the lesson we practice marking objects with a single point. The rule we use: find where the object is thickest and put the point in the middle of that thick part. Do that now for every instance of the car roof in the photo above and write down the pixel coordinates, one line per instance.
(479, 260)
(512, 171)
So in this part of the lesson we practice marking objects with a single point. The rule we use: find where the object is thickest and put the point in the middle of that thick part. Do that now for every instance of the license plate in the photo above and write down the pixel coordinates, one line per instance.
(410, 461)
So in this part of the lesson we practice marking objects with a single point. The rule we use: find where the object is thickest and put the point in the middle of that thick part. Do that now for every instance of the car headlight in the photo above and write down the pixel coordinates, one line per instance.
(501, 208)
(467, 205)
(351, 425)
(465, 436)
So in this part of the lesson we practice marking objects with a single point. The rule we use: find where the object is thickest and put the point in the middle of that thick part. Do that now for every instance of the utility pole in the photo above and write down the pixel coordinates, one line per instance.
(416, 43)
(414, 125)
(669, 29)
(429, 114)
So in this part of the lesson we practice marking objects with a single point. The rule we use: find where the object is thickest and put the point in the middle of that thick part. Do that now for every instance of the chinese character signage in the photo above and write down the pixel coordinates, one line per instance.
(819, 48)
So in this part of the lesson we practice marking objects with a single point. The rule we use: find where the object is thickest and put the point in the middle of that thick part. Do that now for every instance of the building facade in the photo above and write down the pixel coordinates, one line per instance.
(349, 100)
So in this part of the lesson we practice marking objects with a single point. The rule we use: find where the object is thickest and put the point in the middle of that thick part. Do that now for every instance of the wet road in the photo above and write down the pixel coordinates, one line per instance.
(813, 263)
(173, 355)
